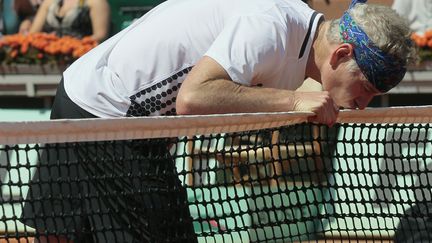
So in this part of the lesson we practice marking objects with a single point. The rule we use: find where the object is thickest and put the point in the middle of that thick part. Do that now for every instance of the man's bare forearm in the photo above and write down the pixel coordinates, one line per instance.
(225, 96)
(208, 89)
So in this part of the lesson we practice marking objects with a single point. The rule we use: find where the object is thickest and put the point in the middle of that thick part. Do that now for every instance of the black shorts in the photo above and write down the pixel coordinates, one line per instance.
(113, 191)
(416, 224)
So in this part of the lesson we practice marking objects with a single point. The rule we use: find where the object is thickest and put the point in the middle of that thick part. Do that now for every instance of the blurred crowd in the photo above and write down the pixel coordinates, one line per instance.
(77, 18)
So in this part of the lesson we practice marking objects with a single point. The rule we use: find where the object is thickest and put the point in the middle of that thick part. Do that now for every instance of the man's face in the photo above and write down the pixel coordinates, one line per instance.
(349, 90)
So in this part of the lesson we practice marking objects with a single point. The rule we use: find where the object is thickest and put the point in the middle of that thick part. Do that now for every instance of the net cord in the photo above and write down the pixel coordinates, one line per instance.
(81, 130)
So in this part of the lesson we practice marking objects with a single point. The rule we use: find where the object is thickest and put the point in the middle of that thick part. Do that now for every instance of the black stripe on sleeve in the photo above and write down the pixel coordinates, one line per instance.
(306, 39)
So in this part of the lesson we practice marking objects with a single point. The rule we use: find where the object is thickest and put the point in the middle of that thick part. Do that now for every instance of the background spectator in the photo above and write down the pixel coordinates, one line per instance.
(26, 10)
(9, 17)
(17, 15)
(418, 13)
(76, 18)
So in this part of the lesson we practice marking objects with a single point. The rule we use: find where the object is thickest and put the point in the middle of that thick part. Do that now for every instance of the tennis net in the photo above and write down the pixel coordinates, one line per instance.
(262, 177)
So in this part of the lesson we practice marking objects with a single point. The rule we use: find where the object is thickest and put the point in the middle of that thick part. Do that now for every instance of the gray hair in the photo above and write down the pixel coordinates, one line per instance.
(387, 30)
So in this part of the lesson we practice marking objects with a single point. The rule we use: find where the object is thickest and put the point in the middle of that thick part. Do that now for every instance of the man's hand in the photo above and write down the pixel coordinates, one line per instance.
(319, 102)
(209, 90)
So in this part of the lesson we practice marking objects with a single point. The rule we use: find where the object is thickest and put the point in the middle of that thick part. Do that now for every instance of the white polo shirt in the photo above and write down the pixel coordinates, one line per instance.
(139, 71)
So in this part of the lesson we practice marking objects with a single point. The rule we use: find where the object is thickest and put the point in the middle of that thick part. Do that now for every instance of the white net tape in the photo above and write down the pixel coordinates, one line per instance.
(176, 126)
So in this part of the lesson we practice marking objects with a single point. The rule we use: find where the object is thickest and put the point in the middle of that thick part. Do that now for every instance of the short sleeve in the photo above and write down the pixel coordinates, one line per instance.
(249, 46)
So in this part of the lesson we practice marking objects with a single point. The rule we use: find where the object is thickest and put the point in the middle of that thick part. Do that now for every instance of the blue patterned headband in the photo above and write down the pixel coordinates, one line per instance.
(381, 69)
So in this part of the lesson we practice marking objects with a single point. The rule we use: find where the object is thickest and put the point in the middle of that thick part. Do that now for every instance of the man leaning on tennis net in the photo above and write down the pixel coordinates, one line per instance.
(205, 57)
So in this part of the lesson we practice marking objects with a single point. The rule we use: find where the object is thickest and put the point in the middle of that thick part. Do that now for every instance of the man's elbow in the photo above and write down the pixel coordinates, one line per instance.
(186, 105)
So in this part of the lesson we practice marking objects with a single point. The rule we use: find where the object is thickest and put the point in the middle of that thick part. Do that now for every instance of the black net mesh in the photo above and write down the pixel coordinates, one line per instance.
(296, 183)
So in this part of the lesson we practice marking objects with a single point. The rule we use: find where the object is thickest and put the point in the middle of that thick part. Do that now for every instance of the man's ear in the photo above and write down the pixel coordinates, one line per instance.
(341, 53)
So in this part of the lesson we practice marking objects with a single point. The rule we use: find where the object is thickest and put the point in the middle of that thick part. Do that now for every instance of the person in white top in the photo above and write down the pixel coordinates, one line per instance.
(418, 13)
(218, 56)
